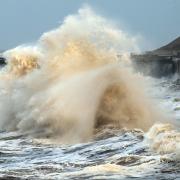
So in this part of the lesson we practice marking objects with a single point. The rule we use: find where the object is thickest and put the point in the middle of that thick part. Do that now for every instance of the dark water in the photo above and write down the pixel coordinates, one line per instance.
(113, 154)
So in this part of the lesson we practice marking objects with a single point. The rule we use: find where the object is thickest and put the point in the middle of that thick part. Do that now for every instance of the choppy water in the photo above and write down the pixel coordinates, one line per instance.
(113, 154)
(71, 87)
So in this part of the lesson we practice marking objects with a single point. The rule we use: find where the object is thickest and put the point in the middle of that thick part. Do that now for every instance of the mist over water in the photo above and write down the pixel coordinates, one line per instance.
(75, 83)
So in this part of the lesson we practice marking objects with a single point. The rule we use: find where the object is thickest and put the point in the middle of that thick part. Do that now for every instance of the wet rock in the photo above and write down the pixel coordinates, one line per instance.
(2, 61)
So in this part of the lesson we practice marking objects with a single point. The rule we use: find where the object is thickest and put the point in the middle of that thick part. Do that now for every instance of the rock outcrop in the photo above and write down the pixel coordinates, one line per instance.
(2, 61)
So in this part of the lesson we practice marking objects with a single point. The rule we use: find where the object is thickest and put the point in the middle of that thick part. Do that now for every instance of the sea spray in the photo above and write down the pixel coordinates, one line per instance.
(164, 139)
(72, 81)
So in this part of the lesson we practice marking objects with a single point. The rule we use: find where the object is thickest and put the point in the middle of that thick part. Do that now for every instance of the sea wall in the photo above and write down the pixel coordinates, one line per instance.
(156, 65)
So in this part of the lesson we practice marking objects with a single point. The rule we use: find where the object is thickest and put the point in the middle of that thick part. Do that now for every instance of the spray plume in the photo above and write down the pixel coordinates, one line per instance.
(72, 81)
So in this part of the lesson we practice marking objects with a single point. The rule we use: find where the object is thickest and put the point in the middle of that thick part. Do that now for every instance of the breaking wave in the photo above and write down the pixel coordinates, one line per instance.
(72, 81)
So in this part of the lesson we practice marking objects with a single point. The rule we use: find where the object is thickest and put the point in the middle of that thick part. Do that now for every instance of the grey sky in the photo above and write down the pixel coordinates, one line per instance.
(23, 21)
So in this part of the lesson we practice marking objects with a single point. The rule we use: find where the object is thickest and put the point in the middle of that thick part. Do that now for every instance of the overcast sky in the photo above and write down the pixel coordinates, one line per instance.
(23, 21)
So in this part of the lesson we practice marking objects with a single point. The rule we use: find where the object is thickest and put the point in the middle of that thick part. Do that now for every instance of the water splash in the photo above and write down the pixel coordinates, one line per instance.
(72, 81)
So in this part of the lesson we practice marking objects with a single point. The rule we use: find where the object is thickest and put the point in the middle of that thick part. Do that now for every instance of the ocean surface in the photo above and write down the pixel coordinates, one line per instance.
(70, 108)
(112, 154)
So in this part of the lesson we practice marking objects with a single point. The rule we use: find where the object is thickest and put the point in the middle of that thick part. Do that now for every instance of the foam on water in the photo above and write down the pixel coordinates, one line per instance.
(72, 82)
